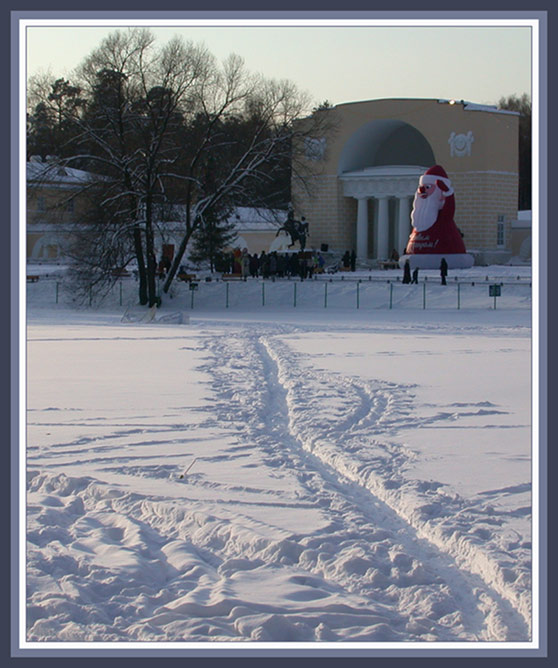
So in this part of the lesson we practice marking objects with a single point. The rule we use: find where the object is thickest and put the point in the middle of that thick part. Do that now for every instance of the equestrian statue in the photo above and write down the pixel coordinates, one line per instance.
(296, 229)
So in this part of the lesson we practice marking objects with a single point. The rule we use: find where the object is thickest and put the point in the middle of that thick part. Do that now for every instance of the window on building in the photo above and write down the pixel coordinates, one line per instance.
(500, 232)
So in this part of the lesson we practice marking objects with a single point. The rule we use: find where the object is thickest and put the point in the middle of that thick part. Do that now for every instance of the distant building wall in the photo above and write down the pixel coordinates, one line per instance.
(381, 148)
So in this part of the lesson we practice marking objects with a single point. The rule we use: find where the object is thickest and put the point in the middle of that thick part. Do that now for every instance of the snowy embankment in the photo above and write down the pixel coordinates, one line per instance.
(283, 475)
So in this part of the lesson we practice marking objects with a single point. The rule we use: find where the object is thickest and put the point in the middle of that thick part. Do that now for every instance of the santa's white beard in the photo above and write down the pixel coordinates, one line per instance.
(425, 211)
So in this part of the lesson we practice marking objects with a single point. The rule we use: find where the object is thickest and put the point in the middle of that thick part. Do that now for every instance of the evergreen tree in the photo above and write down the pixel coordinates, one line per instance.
(211, 238)
(51, 126)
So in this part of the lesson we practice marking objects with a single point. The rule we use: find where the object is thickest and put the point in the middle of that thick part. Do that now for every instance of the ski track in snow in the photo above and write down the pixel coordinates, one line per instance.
(393, 559)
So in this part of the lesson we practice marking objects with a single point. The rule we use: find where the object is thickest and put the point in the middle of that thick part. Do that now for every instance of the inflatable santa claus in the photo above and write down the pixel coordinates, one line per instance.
(435, 234)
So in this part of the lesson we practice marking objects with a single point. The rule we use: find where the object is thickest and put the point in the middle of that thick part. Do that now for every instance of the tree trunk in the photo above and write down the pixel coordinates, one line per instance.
(176, 262)
(141, 266)
(150, 251)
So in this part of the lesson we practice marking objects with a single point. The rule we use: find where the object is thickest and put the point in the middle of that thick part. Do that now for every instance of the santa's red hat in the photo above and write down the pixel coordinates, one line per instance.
(434, 174)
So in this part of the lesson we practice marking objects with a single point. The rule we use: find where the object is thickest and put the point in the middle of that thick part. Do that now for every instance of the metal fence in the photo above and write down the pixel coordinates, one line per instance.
(321, 293)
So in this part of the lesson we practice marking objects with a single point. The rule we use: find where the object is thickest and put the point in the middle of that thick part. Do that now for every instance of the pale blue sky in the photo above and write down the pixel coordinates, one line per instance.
(340, 64)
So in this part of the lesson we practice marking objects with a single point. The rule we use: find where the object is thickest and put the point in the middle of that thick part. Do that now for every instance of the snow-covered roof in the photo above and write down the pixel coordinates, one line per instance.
(470, 106)
(56, 174)
(249, 218)
(473, 106)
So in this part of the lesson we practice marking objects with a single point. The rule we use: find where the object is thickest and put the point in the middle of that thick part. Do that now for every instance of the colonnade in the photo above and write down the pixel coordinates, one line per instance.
(380, 185)
(381, 224)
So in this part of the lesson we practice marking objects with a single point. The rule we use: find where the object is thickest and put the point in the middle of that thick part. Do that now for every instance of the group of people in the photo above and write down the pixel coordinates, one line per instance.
(407, 278)
(268, 265)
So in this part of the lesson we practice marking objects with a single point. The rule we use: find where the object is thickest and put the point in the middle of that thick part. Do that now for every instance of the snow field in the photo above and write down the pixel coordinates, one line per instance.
(353, 478)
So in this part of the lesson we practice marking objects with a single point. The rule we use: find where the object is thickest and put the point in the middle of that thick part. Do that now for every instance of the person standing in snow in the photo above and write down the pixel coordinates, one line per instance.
(415, 276)
(254, 265)
(443, 270)
(244, 264)
(406, 272)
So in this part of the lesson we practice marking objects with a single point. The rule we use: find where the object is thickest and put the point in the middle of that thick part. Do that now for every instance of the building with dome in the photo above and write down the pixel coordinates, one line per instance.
(370, 167)
(361, 196)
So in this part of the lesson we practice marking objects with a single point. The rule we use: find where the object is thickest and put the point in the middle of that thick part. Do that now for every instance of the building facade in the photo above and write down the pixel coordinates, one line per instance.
(55, 201)
(58, 199)
(369, 170)
(365, 177)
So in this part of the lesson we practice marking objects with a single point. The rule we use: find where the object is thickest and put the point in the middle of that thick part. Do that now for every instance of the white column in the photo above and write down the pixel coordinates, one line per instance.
(362, 229)
(382, 229)
(403, 224)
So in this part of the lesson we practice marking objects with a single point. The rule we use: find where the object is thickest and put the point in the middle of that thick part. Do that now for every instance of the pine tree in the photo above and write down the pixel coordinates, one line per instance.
(211, 238)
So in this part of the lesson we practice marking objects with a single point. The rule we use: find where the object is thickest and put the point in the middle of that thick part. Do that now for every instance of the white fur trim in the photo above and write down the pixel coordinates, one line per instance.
(430, 179)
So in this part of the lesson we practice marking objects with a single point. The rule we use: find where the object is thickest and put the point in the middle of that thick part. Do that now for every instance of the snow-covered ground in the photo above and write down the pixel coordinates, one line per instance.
(270, 473)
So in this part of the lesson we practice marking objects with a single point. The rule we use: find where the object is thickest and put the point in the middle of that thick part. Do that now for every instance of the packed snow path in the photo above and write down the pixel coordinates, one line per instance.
(299, 519)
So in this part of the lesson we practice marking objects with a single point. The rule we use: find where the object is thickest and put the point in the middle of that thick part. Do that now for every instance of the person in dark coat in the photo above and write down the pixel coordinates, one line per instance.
(302, 266)
(294, 268)
(415, 275)
(353, 260)
(254, 265)
(264, 265)
(443, 270)
(406, 272)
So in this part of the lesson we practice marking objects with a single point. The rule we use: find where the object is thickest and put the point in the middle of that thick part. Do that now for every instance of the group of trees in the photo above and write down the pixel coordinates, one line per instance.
(522, 105)
(167, 127)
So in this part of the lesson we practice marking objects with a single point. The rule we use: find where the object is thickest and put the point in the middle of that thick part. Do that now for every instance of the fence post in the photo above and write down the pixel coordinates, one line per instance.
(90, 294)
(121, 293)
(227, 295)
(57, 292)
(192, 298)
(424, 295)
(294, 298)
(458, 296)
(358, 294)
(263, 293)
(325, 295)
(390, 295)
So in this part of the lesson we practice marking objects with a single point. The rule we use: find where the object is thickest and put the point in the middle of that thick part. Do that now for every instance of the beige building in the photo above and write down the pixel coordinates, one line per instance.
(367, 174)
(55, 200)
(58, 198)
(370, 167)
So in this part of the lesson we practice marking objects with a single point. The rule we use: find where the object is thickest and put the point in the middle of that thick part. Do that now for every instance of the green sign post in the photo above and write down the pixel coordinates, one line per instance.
(494, 291)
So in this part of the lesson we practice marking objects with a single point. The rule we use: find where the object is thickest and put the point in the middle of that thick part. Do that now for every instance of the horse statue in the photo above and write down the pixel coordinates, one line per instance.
(296, 229)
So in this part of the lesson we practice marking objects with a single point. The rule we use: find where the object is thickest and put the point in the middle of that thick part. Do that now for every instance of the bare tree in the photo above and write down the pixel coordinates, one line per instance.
(136, 97)
(249, 127)
(170, 125)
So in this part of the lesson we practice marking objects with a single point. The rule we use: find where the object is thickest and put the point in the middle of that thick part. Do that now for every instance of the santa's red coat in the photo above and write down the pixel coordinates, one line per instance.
(442, 238)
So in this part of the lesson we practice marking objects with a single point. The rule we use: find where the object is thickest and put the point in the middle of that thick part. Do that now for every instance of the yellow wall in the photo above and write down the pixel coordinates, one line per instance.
(485, 182)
